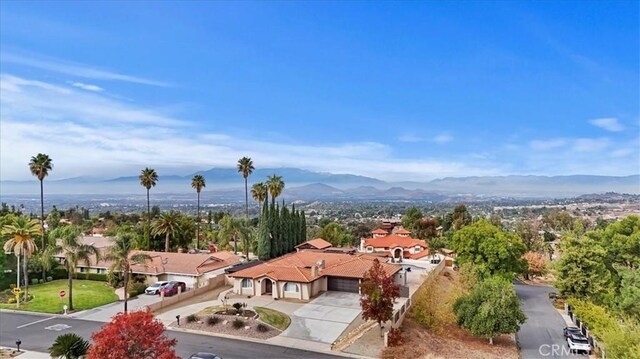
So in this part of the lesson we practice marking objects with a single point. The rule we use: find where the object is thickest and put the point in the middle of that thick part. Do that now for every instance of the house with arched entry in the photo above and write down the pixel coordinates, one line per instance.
(397, 246)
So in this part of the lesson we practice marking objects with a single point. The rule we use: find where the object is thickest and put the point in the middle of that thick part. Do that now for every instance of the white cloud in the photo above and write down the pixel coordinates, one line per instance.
(544, 145)
(443, 138)
(590, 144)
(622, 152)
(409, 138)
(74, 69)
(610, 124)
(87, 87)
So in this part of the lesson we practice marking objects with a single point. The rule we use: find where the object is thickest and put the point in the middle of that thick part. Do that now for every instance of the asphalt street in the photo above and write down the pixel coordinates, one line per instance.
(541, 335)
(38, 332)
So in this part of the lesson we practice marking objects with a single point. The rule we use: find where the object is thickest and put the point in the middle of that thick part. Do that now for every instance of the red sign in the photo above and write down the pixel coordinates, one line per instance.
(62, 293)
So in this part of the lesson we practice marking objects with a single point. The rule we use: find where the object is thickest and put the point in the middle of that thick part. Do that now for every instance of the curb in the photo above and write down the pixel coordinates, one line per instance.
(28, 312)
(252, 340)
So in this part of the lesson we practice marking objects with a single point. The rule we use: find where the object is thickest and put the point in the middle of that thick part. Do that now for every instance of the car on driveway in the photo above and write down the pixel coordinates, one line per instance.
(172, 288)
(155, 287)
(578, 343)
(204, 356)
(570, 330)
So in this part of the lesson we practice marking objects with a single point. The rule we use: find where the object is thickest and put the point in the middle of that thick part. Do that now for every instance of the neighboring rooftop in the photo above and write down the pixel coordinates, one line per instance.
(317, 243)
(393, 241)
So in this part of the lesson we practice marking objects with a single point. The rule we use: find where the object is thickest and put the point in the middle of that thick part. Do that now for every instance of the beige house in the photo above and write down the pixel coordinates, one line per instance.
(398, 245)
(304, 274)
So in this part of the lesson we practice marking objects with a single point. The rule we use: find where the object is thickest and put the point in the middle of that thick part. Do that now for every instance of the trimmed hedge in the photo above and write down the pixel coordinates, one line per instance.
(136, 289)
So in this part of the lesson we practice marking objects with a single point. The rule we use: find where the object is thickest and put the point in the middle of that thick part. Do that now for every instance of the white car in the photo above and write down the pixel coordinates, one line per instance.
(578, 343)
(155, 288)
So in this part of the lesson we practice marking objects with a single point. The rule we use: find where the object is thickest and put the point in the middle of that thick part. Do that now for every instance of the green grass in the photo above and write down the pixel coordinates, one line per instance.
(273, 317)
(87, 294)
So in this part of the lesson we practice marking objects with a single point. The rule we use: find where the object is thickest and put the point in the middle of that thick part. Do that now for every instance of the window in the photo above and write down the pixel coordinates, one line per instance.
(369, 249)
(247, 283)
(101, 270)
(418, 249)
(82, 269)
(291, 287)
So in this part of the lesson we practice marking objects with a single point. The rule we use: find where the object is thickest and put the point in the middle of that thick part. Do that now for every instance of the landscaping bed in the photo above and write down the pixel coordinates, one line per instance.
(225, 325)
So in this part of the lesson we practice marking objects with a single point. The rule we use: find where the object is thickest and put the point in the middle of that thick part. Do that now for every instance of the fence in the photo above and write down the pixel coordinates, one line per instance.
(213, 283)
(585, 330)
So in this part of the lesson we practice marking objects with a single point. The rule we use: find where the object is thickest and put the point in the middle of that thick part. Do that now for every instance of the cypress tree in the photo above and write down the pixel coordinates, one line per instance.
(273, 230)
(303, 227)
(284, 229)
(264, 242)
(293, 228)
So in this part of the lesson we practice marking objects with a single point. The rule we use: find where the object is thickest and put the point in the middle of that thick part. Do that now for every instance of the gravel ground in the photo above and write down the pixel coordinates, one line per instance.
(228, 328)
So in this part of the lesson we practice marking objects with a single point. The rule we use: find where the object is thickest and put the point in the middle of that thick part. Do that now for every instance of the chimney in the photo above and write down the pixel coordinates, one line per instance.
(320, 265)
(314, 271)
(361, 244)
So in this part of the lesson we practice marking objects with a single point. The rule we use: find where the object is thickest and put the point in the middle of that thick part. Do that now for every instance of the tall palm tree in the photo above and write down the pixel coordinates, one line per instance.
(40, 165)
(235, 229)
(275, 186)
(245, 166)
(168, 225)
(74, 251)
(198, 183)
(21, 232)
(69, 346)
(123, 258)
(148, 178)
(259, 192)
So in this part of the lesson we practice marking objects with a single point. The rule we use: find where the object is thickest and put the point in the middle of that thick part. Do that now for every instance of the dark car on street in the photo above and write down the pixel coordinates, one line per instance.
(172, 288)
(204, 356)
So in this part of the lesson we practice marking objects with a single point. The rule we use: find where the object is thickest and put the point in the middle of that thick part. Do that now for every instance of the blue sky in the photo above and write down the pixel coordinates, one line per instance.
(394, 90)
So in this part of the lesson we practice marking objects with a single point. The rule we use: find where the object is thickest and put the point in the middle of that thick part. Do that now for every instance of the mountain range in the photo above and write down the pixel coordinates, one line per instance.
(309, 185)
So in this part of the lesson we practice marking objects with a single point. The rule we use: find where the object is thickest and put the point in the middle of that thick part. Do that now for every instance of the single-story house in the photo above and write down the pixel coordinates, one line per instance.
(304, 274)
(194, 269)
(398, 245)
(317, 243)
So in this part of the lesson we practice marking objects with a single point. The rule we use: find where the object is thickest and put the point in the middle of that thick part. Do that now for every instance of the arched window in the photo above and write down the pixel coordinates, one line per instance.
(369, 249)
(291, 287)
(247, 283)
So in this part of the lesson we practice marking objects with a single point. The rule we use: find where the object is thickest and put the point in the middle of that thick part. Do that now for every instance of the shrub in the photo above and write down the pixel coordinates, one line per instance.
(100, 277)
(394, 338)
(262, 328)
(192, 318)
(49, 279)
(238, 323)
(237, 305)
(59, 273)
(136, 288)
(34, 281)
(12, 300)
(213, 320)
(231, 311)
(40, 281)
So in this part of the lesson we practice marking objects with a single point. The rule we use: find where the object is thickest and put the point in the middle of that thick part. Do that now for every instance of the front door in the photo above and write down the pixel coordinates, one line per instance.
(268, 286)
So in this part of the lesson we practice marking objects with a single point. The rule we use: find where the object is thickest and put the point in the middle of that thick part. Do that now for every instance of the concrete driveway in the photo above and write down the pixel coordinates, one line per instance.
(541, 335)
(324, 318)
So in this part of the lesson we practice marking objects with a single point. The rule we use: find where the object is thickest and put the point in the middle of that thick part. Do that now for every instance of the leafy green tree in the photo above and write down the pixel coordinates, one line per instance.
(69, 346)
(68, 244)
(582, 272)
(628, 301)
(426, 228)
(40, 165)
(245, 167)
(377, 294)
(528, 232)
(148, 178)
(198, 183)
(486, 246)
(491, 309)
(20, 234)
(259, 192)
(236, 230)
(168, 224)
(53, 219)
(336, 235)
(621, 240)
(123, 258)
(411, 216)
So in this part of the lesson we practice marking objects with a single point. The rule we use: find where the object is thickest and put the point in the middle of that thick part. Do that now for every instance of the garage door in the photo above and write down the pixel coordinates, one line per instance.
(339, 284)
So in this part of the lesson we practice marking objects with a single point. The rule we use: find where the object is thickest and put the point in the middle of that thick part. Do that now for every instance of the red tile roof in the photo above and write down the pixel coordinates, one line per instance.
(423, 253)
(379, 231)
(296, 267)
(393, 240)
(402, 231)
(317, 243)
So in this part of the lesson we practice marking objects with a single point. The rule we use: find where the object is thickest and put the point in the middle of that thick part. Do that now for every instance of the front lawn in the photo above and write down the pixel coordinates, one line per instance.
(87, 294)
(273, 317)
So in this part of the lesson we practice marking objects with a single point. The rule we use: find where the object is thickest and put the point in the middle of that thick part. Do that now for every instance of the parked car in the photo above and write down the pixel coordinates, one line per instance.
(155, 288)
(172, 288)
(204, 356)
(570, 330)
(578, 343)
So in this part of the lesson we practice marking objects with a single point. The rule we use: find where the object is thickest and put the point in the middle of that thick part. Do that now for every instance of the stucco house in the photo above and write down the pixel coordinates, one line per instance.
(304, 274)
(398, 245)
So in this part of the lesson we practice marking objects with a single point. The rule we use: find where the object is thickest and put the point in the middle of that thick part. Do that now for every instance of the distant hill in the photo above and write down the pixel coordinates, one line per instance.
(303, 184)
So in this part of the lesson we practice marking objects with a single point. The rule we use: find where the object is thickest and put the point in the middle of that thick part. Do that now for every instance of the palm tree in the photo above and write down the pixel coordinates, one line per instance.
(235, 229)
(69, 346)
(275, 185)
(148, 178)
(168, 224)
(21, 232)
(40, 165)
(68, 244)
(245, 166)
(122, 258)
(259, 192)
(198, 183)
